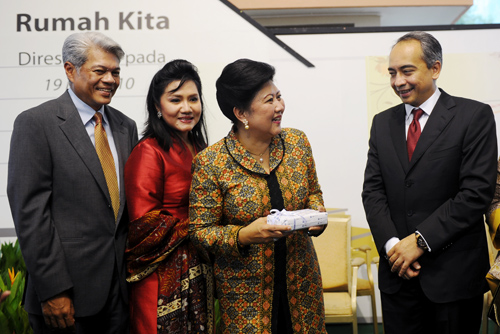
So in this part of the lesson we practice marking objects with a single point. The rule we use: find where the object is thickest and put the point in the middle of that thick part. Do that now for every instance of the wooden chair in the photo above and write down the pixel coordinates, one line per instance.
(366, 287)
(338, 272)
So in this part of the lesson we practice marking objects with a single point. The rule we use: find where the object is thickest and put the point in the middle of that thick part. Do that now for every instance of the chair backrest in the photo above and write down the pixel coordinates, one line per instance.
(333, 249)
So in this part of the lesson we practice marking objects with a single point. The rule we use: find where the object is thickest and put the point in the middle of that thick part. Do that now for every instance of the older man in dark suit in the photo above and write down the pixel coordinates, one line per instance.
(429, 179)
(65, 188)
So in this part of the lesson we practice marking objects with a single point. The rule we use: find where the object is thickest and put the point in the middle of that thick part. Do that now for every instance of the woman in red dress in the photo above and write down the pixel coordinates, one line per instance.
(168, 281)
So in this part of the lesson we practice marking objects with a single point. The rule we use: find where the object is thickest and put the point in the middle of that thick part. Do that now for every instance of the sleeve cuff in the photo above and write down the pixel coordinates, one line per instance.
(390, 243)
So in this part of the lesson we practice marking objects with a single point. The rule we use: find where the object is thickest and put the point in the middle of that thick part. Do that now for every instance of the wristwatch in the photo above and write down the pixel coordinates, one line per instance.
(420, 242)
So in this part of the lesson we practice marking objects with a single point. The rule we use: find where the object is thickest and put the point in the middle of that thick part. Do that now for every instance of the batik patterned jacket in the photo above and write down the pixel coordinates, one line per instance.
(228, 191)
(493, 214)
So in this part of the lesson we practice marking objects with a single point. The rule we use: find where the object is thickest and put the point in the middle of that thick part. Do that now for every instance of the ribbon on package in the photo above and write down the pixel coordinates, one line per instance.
(298, 219)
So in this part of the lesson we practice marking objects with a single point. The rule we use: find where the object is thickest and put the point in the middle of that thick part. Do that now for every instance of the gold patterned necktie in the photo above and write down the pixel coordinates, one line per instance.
(107, 162)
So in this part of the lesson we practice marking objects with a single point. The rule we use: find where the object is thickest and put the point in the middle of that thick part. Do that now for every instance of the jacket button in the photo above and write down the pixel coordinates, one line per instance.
(408, 184)
(409, 213)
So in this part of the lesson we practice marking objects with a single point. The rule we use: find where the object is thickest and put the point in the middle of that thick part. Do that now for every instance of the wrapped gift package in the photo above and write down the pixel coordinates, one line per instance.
(298, 219)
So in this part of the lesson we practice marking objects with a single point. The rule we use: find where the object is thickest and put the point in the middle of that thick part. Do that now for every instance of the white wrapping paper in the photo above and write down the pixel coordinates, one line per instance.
(298, 219)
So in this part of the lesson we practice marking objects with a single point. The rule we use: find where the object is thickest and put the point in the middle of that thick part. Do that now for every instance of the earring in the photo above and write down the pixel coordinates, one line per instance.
(246, 124)
(158, 114)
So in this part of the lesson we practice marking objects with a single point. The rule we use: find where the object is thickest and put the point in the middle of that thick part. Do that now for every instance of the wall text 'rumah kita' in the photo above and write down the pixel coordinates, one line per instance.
(125, 21)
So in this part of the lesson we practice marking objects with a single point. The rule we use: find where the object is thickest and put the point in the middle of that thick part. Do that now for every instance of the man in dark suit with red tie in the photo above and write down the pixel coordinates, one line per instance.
(66, 193)
(429, 179)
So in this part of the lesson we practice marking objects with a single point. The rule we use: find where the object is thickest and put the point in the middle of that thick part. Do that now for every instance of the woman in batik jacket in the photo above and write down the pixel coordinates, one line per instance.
(267, 277)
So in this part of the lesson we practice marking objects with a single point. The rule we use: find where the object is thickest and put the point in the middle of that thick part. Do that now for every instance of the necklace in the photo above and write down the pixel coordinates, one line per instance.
(261, 159)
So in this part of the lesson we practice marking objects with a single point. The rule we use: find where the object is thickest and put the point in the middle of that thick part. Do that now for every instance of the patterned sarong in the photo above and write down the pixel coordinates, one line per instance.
(159, 242)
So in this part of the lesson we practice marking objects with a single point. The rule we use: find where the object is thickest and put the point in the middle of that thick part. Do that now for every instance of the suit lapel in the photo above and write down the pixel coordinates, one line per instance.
(397, 128)
(73, 128)
(440, 117)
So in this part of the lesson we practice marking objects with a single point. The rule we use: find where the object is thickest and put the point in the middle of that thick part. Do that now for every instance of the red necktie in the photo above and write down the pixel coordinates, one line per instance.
(413, 132)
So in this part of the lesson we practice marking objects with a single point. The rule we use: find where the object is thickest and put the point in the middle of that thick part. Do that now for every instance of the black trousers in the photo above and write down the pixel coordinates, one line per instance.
(409, 311)
(281, 320)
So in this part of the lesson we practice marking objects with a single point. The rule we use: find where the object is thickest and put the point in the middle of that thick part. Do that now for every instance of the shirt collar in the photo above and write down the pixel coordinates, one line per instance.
(427, 106)
(84, 110)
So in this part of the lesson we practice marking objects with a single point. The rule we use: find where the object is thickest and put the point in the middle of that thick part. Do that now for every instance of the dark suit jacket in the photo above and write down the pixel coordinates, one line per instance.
(61, 205)
(443, 193)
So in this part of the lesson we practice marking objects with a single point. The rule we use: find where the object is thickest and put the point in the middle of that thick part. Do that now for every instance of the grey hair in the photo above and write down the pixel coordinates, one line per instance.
(431, 49)
(77, 46)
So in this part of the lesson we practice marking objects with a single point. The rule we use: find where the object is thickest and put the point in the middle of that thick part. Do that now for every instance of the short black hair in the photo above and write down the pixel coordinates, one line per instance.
(238, 84)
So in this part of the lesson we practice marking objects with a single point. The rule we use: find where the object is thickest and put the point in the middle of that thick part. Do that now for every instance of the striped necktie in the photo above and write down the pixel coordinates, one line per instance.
(107, 162)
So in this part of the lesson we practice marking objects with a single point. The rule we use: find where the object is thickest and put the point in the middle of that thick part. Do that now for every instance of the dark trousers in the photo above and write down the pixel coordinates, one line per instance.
(409, 311)
(112, 319)
(281, 320)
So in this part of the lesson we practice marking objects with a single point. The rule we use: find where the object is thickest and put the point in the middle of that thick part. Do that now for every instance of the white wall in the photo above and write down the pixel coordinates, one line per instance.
(330, 102)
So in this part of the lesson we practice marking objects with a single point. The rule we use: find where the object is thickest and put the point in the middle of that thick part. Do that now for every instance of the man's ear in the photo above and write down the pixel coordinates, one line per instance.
(436, 70)
(70, 70)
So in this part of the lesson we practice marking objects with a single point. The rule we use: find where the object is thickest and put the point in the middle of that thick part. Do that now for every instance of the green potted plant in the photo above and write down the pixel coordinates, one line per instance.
(13, 317)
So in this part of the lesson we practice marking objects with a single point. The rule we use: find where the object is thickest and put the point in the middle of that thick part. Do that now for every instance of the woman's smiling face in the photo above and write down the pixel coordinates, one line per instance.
(181, 108)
